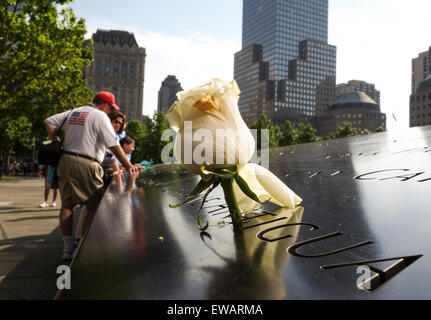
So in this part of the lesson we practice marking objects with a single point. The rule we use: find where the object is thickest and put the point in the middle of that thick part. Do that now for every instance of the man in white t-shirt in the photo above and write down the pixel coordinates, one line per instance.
(88, 133)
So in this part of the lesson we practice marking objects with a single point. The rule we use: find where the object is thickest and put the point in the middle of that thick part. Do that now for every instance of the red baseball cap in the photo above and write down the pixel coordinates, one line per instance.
(107, 97)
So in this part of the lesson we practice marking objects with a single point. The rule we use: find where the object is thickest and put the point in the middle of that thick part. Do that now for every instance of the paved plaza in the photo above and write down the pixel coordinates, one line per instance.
(30, 241)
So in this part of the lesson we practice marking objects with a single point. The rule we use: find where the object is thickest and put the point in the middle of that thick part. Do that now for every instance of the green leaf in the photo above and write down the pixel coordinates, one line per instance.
(242, 184)
(224, 173)
(231, 170)
(201, 186)
(216, 183)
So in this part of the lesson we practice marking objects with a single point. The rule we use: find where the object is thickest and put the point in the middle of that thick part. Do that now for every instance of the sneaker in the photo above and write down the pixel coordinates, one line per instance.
(53, 204)
(43, 205)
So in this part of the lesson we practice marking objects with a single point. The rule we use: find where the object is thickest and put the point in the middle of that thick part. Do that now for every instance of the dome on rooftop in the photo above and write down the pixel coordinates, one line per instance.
(356, 100)
(353, 97)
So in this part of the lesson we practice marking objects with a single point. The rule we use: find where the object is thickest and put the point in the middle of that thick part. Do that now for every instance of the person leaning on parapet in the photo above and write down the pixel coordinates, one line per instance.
(110, 164)
(111, 169)
(128, 145)
(88, 133)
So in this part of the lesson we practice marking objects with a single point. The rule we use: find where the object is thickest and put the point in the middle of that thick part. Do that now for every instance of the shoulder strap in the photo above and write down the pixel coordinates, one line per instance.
(59, 129)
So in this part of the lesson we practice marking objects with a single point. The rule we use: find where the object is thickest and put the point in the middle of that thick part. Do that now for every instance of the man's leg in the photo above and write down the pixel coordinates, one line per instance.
(66, 227)
(46, 195)
(66, 221)
(54, 197)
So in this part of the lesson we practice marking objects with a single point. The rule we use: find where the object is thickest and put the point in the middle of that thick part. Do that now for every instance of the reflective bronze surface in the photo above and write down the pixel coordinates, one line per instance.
(364, 199)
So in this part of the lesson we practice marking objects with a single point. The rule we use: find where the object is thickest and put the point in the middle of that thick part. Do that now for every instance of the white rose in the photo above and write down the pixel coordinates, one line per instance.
(211, 131)
(221, 137)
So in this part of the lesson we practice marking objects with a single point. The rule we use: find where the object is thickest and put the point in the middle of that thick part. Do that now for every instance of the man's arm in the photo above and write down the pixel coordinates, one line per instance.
(51, 131)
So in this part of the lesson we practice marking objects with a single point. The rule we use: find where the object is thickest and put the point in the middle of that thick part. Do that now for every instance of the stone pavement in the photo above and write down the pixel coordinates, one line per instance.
(30, 241)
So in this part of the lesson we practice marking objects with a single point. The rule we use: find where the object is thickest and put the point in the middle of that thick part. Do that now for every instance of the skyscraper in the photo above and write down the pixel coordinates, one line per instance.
(286, 69)
(420, 98)
(421, 68)
(167, 93)
(118, 66)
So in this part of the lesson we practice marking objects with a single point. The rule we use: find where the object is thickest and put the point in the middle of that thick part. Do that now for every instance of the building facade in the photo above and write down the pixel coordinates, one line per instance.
(420, 104)
(167, 93)
(355, 107)
(119, 67)
(358, 85)
(286, 69)
(421, 68)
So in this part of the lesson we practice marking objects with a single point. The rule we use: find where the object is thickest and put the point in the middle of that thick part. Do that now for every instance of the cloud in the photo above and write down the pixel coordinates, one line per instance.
(194, 59)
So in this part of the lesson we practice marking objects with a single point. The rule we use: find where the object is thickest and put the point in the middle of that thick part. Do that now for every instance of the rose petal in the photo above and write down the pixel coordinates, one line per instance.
(266, 186)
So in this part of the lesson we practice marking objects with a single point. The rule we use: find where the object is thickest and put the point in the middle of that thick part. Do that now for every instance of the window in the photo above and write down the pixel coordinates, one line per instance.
(132, 70)
(107, 68)
(124, 70)
(99, 68)
(116, 69)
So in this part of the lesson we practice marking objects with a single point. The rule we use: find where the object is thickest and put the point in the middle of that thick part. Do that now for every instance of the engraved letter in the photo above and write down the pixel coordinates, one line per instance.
(362, 283)
(293, 248)
(381, 276)
(360, 177)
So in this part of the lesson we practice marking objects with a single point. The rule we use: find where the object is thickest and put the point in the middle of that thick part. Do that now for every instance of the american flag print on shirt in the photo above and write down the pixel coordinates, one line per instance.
(78, 118)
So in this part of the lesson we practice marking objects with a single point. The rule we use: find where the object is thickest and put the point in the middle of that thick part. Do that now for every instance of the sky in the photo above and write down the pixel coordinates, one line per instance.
(196, 40)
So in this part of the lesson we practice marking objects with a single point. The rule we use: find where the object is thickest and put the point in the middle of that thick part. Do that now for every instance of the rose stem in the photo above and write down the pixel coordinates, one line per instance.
(232, 203)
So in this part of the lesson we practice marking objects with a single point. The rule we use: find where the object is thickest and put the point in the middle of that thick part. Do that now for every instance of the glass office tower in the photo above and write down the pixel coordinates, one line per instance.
(286, 69)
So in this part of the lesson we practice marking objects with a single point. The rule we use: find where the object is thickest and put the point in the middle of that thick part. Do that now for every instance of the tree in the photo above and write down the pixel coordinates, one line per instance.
(288, 134)
(40, 61)
(380, 129)
(274, 131)
(346, 130)
(306, 133)
(137, 132)
(365, 132)
(148, 137)
(153, 141)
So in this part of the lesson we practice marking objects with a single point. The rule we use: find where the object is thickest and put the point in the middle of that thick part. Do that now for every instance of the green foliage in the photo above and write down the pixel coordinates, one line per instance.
(153, 141)
(137, 132)
(40, 65)
(346, 130)
(306, 133)
(380, 129)
(274, 131)
(288, 134)
(364, 132)
(17, 134)
(148, 137)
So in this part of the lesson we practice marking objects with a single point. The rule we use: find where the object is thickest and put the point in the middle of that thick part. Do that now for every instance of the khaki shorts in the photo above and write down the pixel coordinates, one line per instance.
(79, 179)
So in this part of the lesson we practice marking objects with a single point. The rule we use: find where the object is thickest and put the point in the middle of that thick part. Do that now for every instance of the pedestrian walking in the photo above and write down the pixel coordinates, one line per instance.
(50, 183)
